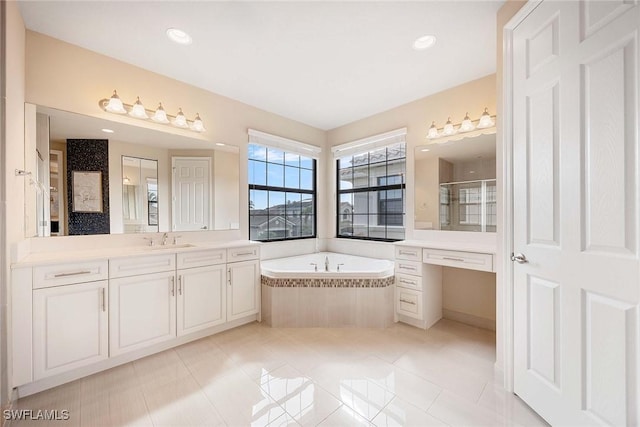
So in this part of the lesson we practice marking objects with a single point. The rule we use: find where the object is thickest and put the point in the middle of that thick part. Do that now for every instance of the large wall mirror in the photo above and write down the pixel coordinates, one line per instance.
(455, 185)
(95, 176)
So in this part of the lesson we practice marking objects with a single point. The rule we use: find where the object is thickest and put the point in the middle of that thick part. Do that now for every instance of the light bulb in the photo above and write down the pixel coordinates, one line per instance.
(433, 131)
(197, 125)
(115, 104)
(180, 120)
(160, 116)
(448, 128)
(467, 125)
(485, 120)
(138, 111)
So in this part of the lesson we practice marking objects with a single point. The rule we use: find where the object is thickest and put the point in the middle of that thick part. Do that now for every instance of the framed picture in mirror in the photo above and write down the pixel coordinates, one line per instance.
(87, 191)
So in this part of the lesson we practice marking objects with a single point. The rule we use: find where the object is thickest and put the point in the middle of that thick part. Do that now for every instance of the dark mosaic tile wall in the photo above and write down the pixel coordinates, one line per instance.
(327, 283)
(88, 155)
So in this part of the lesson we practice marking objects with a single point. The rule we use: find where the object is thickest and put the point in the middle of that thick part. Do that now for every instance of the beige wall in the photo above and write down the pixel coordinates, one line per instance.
(13, 192)
(417, 116)
(67, 77)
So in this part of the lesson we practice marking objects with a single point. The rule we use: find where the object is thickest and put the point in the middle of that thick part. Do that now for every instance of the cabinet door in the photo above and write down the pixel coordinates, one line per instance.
(201, 298)
(142, 311)
(70, 327)
(243, 296)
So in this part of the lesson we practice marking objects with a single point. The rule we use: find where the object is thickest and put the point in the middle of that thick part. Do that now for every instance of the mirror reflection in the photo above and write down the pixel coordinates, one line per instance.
(95, 176)
(455, 185)
(139, 195)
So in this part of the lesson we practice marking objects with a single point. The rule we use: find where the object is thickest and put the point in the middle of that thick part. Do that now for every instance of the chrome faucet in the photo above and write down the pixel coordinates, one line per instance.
(326, 263)
(165, 236)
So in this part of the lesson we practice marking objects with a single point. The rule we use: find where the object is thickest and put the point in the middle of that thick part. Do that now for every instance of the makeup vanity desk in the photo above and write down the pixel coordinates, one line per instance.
(418, 273)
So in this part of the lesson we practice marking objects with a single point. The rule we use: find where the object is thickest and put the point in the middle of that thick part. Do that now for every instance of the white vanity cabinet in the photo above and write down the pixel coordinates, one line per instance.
(418, 293)
(75, 318)
(243, 295)
(142, 295)
(201, 290)
(70, 327)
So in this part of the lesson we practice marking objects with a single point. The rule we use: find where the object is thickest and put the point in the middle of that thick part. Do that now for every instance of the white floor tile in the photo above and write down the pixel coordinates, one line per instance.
(256, 375)
(401, 413)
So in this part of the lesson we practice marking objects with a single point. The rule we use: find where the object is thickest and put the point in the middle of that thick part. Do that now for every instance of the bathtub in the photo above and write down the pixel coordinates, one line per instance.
(355, 292)
(340, 266)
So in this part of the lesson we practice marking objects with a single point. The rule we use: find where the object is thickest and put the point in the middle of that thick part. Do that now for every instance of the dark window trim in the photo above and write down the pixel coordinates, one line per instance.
(312, 192)
(339, 192)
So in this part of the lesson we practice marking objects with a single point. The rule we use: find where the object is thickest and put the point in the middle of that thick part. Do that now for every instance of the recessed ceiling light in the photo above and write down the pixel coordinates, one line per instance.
(220, 144)
(424, 42)
(425, 149)
(179, 36)
(107, 130)
(472, 171)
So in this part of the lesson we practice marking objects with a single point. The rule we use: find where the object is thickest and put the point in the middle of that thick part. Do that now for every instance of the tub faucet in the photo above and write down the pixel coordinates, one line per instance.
(326, 263)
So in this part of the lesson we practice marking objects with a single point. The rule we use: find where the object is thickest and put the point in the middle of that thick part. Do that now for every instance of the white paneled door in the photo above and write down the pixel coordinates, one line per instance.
(191, 193)
(576, 221)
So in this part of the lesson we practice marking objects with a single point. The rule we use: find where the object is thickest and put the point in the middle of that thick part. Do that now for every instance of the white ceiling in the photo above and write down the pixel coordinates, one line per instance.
(321, 63)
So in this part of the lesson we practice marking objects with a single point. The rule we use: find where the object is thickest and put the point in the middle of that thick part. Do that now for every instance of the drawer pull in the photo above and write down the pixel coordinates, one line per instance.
(407, 282)
(408, 253)
(453, 259)
(244, 253)
(407, 302)
(75, 273)
(404, 267)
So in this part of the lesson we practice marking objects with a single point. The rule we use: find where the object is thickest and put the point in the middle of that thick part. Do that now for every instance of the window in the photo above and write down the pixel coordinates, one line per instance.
(282, 194)
(371, 193)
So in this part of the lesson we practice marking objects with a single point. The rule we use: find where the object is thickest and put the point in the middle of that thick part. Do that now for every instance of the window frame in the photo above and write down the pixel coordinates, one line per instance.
(379, 188)
(264, 187)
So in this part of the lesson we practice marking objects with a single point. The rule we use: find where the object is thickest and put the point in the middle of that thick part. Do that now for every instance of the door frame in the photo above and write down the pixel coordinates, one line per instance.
(505, 241)
(209, 160)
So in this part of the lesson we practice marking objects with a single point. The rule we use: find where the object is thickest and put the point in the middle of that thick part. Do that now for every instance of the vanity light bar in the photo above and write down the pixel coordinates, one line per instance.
(467, 125)
(137, 110)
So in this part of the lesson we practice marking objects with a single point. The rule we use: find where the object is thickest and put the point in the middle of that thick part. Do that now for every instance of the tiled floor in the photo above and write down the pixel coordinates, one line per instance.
(256, 375)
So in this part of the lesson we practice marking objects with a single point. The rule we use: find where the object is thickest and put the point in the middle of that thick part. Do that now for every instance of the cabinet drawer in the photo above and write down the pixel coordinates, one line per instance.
(201, 258)
(409, 267)
(408, 281)
(469, 260)
(133, 266)
(409, 303)
(244, 253)
(409, 253)
(67, 274)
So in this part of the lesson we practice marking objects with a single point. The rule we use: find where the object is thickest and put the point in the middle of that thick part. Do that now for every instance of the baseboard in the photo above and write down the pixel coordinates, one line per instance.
(470, 319)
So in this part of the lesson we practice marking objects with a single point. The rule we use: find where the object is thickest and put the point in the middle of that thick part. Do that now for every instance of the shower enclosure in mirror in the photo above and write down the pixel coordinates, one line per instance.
(134, 163)
(139, 195)
(455, 185)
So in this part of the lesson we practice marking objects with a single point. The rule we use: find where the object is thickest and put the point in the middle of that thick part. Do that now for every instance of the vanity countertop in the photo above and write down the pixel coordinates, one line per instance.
(485, 248)
(56, 257)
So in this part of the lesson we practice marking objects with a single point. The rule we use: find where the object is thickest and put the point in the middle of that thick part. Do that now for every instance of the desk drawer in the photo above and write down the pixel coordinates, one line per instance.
(66, 274)
(408, 281)
(202, 258)
(468, 260)
(408, 267)
(244, 253)
(409, 253)
(409, 303)
(137, 265)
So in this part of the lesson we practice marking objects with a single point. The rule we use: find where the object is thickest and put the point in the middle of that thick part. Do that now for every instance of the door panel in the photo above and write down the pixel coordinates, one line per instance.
(243, 296)
(142, 311)
(201, 298)
(576, 197)
(191, 193)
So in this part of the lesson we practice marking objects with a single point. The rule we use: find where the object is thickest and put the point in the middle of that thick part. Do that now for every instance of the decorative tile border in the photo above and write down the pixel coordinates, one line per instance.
(327, 283)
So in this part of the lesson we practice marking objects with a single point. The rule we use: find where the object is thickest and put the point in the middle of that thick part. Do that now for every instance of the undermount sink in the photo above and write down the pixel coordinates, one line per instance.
(167, 247)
